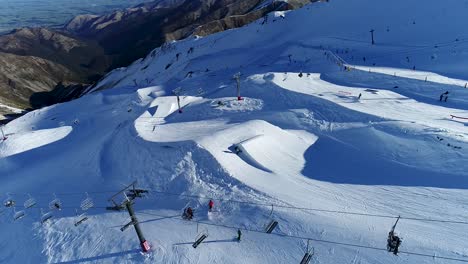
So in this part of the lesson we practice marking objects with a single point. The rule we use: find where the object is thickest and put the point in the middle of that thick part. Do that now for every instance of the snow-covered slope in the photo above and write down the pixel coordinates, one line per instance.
(338, 169)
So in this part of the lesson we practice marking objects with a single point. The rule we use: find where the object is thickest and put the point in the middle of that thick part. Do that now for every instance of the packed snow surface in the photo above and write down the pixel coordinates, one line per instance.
(359, 142)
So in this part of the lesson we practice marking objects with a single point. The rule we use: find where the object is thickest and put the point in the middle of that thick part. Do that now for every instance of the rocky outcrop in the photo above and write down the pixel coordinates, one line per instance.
(38, 60)
(22, 76)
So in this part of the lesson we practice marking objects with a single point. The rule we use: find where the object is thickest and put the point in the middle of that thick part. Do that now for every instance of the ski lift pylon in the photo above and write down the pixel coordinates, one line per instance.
(271, 226)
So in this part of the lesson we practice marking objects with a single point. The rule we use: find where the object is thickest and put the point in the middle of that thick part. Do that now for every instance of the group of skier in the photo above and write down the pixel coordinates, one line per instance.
(189, 214)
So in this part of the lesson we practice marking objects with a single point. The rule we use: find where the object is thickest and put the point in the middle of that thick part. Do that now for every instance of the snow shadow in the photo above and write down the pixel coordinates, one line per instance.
(102, 257)
(337, 159)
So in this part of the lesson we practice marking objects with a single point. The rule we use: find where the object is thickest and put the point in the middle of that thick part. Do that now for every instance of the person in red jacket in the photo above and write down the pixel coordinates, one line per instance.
(210, 205)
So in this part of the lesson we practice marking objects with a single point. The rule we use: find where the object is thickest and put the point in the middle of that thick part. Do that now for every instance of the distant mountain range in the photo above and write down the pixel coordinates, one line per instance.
(40, 66)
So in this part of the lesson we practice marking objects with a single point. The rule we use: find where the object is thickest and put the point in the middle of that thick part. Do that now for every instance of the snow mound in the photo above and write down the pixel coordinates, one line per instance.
(22, 142)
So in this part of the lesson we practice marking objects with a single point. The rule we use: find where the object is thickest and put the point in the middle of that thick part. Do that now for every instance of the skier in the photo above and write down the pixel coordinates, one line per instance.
(188, 213)
(359, 96)
(210, 205)
(239, 234)
(57, 206)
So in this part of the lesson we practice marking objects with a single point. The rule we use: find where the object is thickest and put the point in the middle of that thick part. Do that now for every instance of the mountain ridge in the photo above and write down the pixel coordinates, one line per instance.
(88, 46)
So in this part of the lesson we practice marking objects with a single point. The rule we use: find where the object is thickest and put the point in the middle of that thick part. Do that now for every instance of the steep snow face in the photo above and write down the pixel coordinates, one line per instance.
(373, 141)
(407, 35)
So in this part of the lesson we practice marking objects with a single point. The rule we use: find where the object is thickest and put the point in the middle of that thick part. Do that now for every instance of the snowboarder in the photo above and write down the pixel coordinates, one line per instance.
(239, 234)
(210, 205)
(359, 96)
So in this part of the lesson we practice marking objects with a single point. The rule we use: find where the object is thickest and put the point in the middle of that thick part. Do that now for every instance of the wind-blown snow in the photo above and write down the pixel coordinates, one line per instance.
(306, 139)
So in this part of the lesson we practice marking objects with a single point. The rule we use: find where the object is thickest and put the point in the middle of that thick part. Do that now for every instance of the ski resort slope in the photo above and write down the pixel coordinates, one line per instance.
(333, 155)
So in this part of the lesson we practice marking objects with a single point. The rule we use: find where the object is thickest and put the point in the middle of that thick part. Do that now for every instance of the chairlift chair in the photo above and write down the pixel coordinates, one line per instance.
(87, 203)
(306, 259)
(393, 241)
(55, 204)
(18, 215)
(272, 224)
(81, 218)
(199, 239)
(308, 255)
(9, 203)
(29, 202)
(46, 216)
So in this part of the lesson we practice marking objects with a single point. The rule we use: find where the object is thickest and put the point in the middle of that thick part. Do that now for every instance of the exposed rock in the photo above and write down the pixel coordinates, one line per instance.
(37, 60)
(22, 76)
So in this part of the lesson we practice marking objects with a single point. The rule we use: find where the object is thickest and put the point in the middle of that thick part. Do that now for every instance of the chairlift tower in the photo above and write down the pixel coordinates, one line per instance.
(177, 92)
(130, 193)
